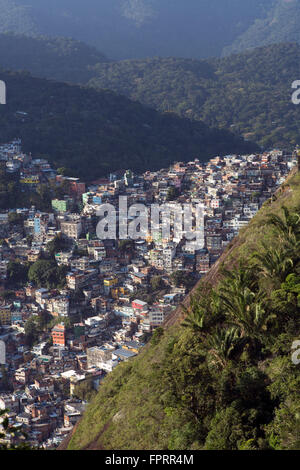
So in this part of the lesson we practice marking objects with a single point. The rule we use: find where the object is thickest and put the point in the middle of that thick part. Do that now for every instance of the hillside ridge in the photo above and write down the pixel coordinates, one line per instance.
(150, 394)
(93, 133)
(221, 92)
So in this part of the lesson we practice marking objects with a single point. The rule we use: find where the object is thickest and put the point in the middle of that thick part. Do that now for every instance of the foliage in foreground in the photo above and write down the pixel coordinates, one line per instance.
(224, 378)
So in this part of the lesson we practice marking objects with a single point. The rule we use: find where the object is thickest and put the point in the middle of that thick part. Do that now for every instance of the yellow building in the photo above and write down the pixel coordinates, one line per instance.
(115, 293)
(5, 315)
(131, 348)
(110, 281)
(149, 238)
(30, 180)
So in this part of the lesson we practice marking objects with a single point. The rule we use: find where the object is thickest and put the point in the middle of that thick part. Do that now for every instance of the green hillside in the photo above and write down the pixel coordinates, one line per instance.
(224, 378)
(95, 132)
(249, 93)
(279, 23)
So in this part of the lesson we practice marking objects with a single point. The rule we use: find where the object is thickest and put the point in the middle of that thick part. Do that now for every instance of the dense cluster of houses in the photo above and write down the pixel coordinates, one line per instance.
(115, 292)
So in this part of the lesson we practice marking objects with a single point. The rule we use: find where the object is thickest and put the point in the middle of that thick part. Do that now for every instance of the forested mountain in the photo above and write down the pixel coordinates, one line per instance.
(279, 24)
(95, 132)
(125, 29)
(57, 58)
(223, 378)
(249, 93)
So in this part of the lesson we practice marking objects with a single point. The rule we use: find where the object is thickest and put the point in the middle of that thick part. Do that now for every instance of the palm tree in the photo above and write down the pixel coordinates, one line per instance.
(236, 291)
(287, 226)
(243, 307)
(286, 299)
(252, 319)
(223, 344)
(203, 312)
(274, 263)
(240, 277)
(196, 316)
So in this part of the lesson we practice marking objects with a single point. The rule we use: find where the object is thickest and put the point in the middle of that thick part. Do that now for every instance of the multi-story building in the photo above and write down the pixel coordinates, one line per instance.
(140, 307)
(202, 262)
(98, 356)
(75, 280)
(158, 314)
(3, 269)
(22, 375)
(61, 306)
(82, 264)
(59, 335)
(72, 228)
(60, 205)
(214, 242)
(5, 314)
(169, 252)
(41, 295)
(99, 253)
(63, 258)
(110, 282)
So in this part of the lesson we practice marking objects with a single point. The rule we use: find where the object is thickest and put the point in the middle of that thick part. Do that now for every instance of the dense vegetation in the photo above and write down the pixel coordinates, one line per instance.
(249, 93)
(46, 273)
(222, 93)
(280, 23)
(60, 58)
(42, 273)
(13, 194)
(95, 132)
(224, 377)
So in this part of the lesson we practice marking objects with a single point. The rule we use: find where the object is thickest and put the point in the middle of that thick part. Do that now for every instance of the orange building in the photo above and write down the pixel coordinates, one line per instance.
(59, 335)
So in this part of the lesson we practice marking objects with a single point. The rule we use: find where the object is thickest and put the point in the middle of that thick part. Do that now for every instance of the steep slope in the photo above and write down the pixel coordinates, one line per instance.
(249, 93)
(280, 24)
(95, 132)
(138, 28)
(199, 386)
(59, 59)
